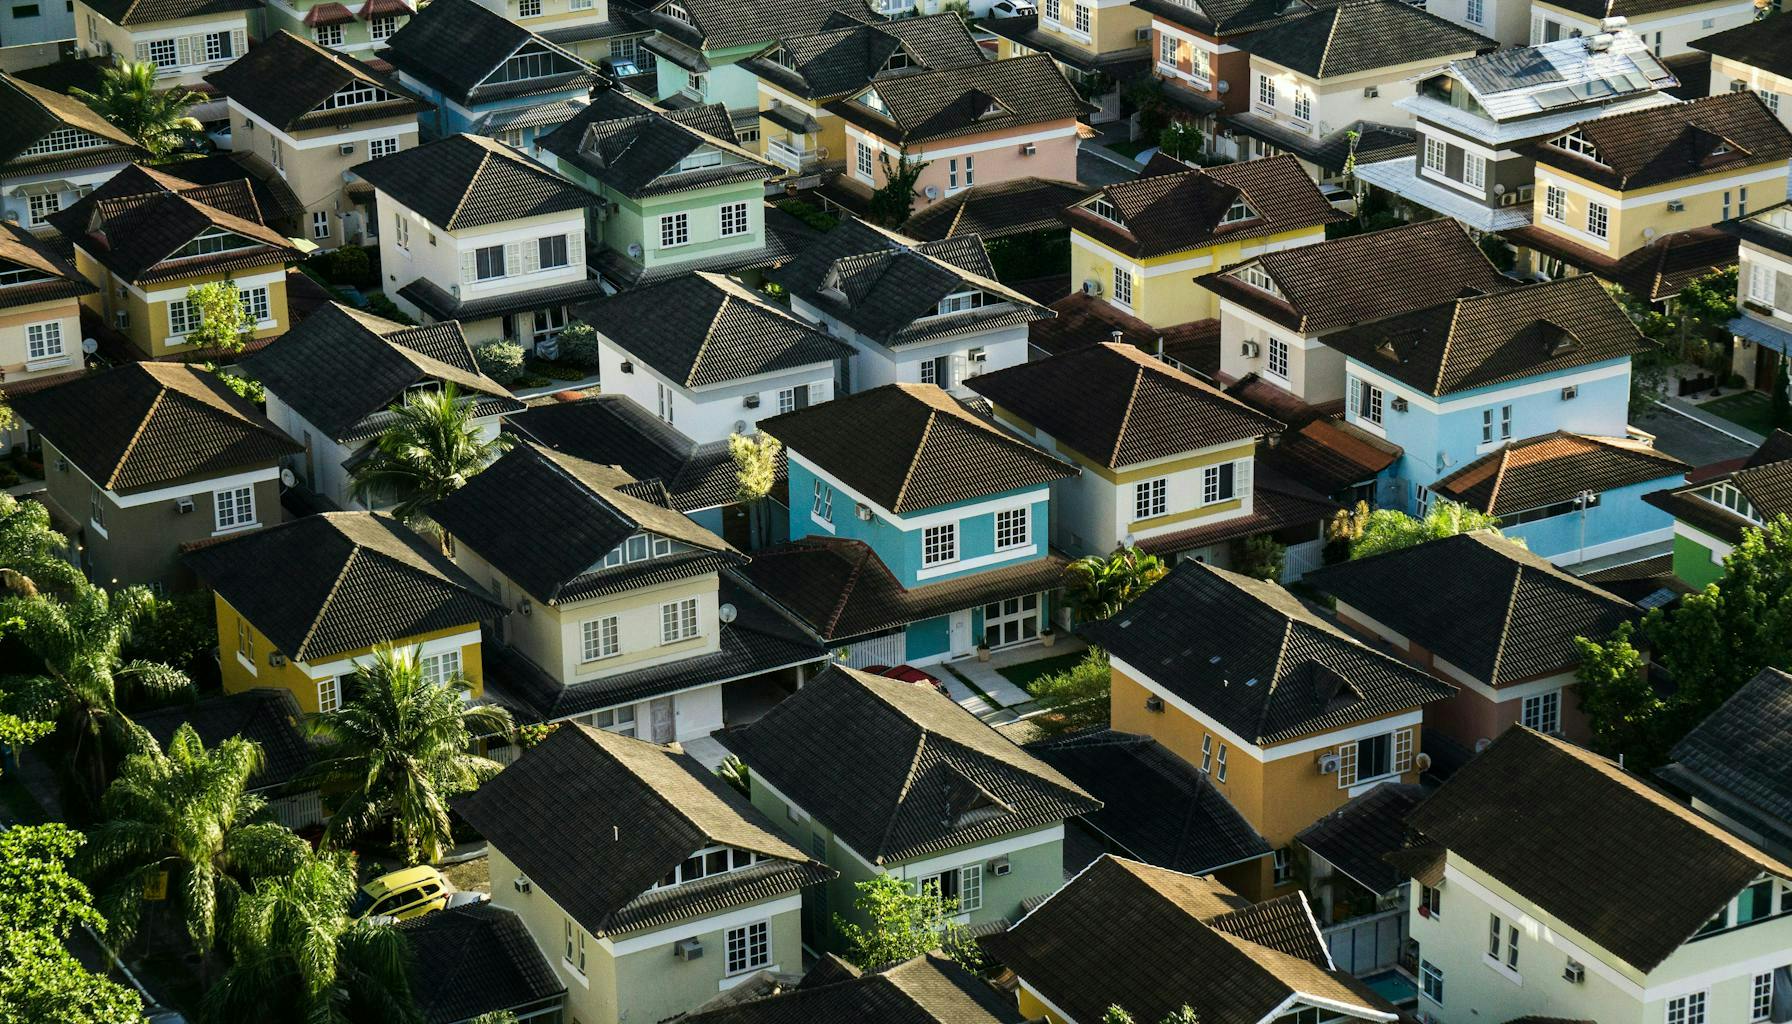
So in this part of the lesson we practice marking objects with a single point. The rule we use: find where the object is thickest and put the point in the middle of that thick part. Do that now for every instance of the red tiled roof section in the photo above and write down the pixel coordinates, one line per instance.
(1553, 468)
(1729, 131)
(384, 8)
(1330, 455)
(328, 14)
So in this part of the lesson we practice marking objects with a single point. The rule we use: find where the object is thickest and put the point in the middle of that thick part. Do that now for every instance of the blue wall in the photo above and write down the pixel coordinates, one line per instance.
(1620, 514)
(928, 638)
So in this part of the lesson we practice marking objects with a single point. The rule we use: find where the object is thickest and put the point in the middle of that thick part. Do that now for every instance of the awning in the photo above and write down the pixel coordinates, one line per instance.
(792, 119)
(43, 188)
(1761, 333)
(687, 57)
(539, 115)
(384, 9)
(328, 14)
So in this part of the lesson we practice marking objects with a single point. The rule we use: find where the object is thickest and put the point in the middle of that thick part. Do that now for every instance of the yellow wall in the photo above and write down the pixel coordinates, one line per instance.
(149, 320)
(14, 348)
(1111, 28)
(1169, 298)
(1033, 1009)
(831, 138)
(1648, 207)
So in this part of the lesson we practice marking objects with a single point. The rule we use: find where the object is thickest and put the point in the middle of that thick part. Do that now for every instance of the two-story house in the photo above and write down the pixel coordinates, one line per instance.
(1289, 715)
(474, 231)
(595, 30)
(1671, 29)
(309, 115)
(989, 122)
(882, 776)
(649, 883)
(57, 151)
(1712, 513)
(949, 320)
(1196, 57)
(486, 75)
(1762, 327)
(1475, 118)
(355, 30)
(144, 458)
(709, 356)
(338, 418)
(147, 237)
(1733, 763)
(920, 530)
(1616, 195)
(1498, 621)
(1338, 70)
(1754, 57)
(801, 74)
(301, 606)
(40, 301)
(674, 191)
(1532, 928)
(185, 39)
(1100, 45)
(930, 989)
(1152, 941)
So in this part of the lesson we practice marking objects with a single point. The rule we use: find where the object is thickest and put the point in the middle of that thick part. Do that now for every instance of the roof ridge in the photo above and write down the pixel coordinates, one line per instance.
(1132, 397)
(1330, 36)
(130, 446)
(472, 180)
(907, 783)
(1275, 670)
(908, 475)
(709, 334)
(1443, 355)
(1499, 650)
(852, 583)
(335, 587)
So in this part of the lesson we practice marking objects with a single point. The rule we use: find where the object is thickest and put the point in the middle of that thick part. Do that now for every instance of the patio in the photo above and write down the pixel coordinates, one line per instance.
(986, 690)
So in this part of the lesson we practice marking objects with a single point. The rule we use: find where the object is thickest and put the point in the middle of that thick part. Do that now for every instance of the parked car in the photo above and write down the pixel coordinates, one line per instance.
(1013, 9)
(403, 894)
(907, 673)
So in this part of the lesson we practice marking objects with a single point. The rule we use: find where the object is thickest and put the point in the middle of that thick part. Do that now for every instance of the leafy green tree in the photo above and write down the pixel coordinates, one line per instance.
(495, 1017)
(156, 117)
(184, 824)
(300, 959)
(890, 204)
(1707, 305)
(1116, 1015)
(431, 449)
(1261, 557)
(41, 903)
(755, 472)
(1180, 139)
(1075, 698)
(1098, 587)
(1622, 708)
(1186, 1015)
(1386, 529)
(736, 774)
(224, 321)
(397, 750)
(31, 549)
(905, 923)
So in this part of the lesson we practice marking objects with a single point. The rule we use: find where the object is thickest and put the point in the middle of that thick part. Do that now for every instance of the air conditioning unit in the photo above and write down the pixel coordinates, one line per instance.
(61, 464)
(1509, 199)
(1371, 91)
(346, 149)
(1091, 287)
(863, 511)
(1000, 866)
(183, 505)
(1525, 192)
(689, 949)
(276, 659)
(1029, 149)
(750, 401)
(1399, 404)
(522, 884)
(1249, 349)
(1155, 705)
(977, 355)
(1328, 764)
(1574, 973)
(1142, 34)
(121, 319)
(1571, 392)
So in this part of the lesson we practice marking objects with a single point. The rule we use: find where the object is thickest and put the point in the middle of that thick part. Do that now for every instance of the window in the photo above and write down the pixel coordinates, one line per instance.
(970, 887)
(620, 721)
(1598, 220)
(1543, 712)
(1688, 1009)
(575, 946)
(440, 669)
(823, 506)
(1053, 13)
(1150, 498)
(354, 95)
(678, 620)
(528, 8)
(162, 52)
(1760, 283)
(1198, 61)
(43, 341)
(327, 35)
(1278, 357)
(748, 948)
(96, 512)
(862, 161)
(1166, 49)
(1266, 91)
(1431, 902)
(62, 140)
(1431, 978)
(548, 323)
(1476, 12)
(377, 148)
(234, 507)
(958, 302)
(1504, 954)
(1122, 286)
(320, 223)
(1013, 528)
(602, 638)
(1761, 997)
(939, 544)
(329, 692)
(42, 205)
(1082, 18)
(1218, 483)
(255, 304)
(952, 173)
(1504, 432)
(488, 262)
(550, 252)
(970, 170)
(665, 401)
(1365, 400)
(1283, 866)
(1238, 211)
(1105, 210)
(1474, 170)
(276, 155)
(1555, 203)
(1576, 142)
(1221, 773)
(1374, 756)
(382, 27)
(1742, 201)
(1207, 753)
(217, 46)
(25, 11)
(1435, 151)
(675, 229)
(678, 13)
(1303, 106)
(734, 219)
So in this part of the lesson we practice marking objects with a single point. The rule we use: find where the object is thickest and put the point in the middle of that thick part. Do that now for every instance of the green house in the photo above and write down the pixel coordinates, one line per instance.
(356, 28)
(1711, 514)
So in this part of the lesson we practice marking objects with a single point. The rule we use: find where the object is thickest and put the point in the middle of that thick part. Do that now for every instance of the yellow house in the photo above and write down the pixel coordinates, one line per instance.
(1137, 244)
(302, 605)
(40, 310)
(1287, 715)
(1615, 193)
(146, 237)
(1097, 44)
(1756, 57)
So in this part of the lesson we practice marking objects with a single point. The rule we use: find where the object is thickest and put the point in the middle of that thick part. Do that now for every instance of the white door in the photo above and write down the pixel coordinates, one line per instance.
(660, 719)
(960, 632)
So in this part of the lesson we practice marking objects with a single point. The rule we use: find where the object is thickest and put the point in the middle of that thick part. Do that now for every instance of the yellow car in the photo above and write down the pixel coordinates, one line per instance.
(403, 894)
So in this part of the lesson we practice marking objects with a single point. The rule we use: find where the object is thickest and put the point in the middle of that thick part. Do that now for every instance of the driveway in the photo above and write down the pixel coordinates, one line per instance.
(1094, 169)
(1689, 440)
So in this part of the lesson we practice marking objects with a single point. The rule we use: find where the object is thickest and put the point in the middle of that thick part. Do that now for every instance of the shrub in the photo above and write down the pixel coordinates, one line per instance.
(351, 265)
(816, 218)
(502, 361)
(578, 345)
(379, 305)
(174, 631)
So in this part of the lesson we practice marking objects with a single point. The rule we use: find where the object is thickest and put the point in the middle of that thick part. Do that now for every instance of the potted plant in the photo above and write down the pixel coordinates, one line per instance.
(1048, 635)
(982, 652)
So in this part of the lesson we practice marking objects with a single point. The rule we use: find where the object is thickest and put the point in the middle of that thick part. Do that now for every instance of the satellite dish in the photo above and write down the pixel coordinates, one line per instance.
(1223, 87)
(634, 250)
(90, 345)
(1648, 232)
(740, 426)
(1499, 190)
(287, 479)
(726, 613)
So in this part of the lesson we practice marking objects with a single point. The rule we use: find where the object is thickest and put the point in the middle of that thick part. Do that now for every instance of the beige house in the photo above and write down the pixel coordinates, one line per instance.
(1757, 57)
(309, 115)
(57, 151)
(187, 39)
(1667, 28)
(40, 310)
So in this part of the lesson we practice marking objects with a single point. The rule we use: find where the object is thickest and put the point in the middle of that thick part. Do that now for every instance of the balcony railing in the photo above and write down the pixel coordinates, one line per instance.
(785, 155)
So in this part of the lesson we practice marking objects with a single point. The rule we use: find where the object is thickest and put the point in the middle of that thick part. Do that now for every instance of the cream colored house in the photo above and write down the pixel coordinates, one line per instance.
(187, 39)
(58, 151)
(1667, 28)
(1757, 57)
(40, 310)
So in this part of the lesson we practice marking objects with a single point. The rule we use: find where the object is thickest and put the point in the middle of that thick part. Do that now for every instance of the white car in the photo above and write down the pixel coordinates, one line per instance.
(1013, 9)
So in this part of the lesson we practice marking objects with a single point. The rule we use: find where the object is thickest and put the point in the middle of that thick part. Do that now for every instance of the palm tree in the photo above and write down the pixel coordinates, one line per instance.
(156, 118)
(1099, 587)
(428, 452)
(31, 551)
(397, 750)
(185, 818)
(299, 957)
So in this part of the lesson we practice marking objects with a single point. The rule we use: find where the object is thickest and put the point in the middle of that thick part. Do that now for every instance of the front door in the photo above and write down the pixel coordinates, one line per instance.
(960, 629)
(1011, 621)
(660, 720)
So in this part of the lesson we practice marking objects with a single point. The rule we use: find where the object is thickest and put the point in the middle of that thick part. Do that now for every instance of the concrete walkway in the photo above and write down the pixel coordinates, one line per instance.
(1001, 700)
(1717, 423)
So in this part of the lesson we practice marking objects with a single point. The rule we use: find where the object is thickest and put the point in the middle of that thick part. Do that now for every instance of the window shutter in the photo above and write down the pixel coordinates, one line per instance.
(1403, 751)
(239, 42)
(1346, 765)
(531, 253)
(468, 268)
(142, 52)
(1536, 29)
(1241, 478)
(513, 258)
(1782, 291)
(575, 248)
(183, 51)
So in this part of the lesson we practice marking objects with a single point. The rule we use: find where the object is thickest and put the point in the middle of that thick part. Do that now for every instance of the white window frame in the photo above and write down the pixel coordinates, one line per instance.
(228, 505)
(822, 507)
(1555, 204)
(44, 341)
(1207, 754)
(377, 148)
(1083, 18)
(1502, 945)
(600, 638)
(1476, 12)
(939, 545)
(1599, 220)
(1014, 528)
(1211, 483)
(678, 621)
(1436, 154)
(320, 224)
(863, 165)
(327, 35)
(329, 691)
(1150, 498)
(1431, 981)
(1761, 998)
(1266, 91)
(1542, 712)
(42, 205)
(439, 669)
(1303, 105)
(1687, 1009)
(1278, 357)
(675, 230)
(732, 219)
(1122, 286)
(753, 944)
(1474, 170)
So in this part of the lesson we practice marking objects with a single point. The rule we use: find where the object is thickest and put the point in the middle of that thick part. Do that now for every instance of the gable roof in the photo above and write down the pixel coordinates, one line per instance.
(469, 960)
(847, 53)
(1013, 207)
(928, 989)
(1765, 479)
(1224, 17)
(469, 181)
(285, 79)
(597, 820)
(1357, 836)
(1255, 659)
(1576, 858)
(345, 581)
(1494, 610)
(1763, 44)
(1362, 35)
(1165, 213)
(29, 112)
(148, 12)
(1731, 131)
(1484, 339)
(21, 250)
(1736, 759)
(304, 368)
(700, 329)
(140, 426)
(1117, 406)
(913, 446)
(635, 147)
(1552, 468)
(455, 45)
(725, 24)
(896, 770)
(1150, 941)
(990, 96)
(1362, 278)
(588, 509)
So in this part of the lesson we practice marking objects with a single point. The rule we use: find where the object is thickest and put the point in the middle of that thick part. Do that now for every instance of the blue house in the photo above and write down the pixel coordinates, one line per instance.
(486, 75)
(919, 529)
(1514, 400)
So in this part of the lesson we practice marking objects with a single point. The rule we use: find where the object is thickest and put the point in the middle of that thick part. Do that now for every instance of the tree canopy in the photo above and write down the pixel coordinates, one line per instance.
(42, 903)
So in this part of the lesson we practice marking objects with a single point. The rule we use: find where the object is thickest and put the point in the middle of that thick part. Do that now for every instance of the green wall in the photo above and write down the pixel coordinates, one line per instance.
(1694, 563)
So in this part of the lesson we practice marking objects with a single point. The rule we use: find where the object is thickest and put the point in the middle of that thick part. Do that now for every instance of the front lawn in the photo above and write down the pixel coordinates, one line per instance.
(1131, 148)
(1027, 673)
(1751, 410)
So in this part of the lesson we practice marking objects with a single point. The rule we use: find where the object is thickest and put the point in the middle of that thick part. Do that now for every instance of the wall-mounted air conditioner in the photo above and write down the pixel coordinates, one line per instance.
(1328, 764)
(183, 505)
(1000, 866)
(1676, 206)
(689, 949)
(1250, 349)
(346, 148)
(1155, 705)
(1028, 149)
(750, 401)
(1571, 392)
(1399, 404)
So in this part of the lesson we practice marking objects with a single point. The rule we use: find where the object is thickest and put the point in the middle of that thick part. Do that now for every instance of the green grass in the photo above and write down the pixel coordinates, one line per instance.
(1131, 147)
(1026, 674)
(1750, 410)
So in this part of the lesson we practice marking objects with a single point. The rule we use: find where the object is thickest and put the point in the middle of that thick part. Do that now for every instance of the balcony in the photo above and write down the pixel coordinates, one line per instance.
(795, 158)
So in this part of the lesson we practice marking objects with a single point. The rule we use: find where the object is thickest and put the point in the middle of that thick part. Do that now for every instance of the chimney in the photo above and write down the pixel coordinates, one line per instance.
(1119, 336)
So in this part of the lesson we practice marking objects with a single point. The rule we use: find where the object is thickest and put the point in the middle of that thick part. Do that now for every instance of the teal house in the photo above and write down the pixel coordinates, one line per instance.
(879, 776)
(919, 529)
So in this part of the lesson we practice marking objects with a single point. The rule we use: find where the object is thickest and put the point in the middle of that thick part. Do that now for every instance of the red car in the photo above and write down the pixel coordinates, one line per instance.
(907, 673)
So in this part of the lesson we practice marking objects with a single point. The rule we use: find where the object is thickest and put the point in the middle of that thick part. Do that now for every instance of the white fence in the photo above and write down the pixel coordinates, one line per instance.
(889, 649)
(299, 810)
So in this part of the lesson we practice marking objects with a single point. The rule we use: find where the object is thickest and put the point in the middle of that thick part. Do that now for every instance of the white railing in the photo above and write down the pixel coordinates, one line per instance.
(505, 754)
(786, 155)
(298, 810)
(890, 649)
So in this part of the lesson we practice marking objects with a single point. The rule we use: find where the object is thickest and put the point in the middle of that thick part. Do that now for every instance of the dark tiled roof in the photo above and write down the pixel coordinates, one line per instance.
(1015, 207)
(1763, 44)
(147, 12)
(1363, 35)
(1363, 278)
(1552, 468)
(1154, 805)
(265, 715)
(1654, 272)
(898, 771)
(1356, 836)
(1602, 9)
(1585, 819)
(279, 205)
(1496, 337)
(1330, 455)
(29, 112)
(972, 99)
(848, 53)
(454, 45)
(635, 147)
(596, 820)
(703, 329)
(285, 80)
(1374, 141)
(724, 24)
(1166, 213)
(146, 425)
(1122, 65)
(1152, 940)
(842, 591)
(1086, 320)
(1496, 611)
(21, 250)
(475, 959)
(467, 181)
(928, 989)
(345, 581)
(1277, 503)
(913, 446)
(1117, 406)
(304, 368)
(1727, 132)
(1221, 17)
(1254, 658)
(587, 509)
(1738, 756)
